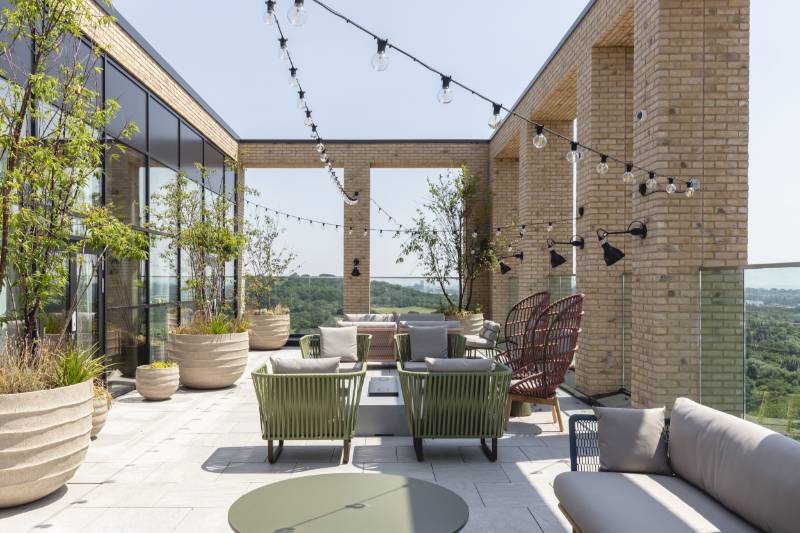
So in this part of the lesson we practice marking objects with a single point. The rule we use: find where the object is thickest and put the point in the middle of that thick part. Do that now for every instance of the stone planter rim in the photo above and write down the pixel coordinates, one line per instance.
(210, 336)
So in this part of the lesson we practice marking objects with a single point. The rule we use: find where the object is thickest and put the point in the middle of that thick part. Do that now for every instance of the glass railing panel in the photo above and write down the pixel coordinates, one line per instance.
(560, 286)
(312, 301)
(409, 295)
(626, 323)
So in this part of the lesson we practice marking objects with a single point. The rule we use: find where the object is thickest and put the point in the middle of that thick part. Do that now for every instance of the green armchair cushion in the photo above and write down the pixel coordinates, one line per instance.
(458, 365)
(293, 365)
(428, 342)
(339, 342)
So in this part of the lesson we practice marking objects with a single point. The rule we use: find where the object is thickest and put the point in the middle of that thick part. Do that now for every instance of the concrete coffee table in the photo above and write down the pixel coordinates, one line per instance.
(333, 503)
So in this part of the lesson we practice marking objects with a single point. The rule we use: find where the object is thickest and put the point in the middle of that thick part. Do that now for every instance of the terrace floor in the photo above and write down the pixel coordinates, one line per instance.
(177, 466)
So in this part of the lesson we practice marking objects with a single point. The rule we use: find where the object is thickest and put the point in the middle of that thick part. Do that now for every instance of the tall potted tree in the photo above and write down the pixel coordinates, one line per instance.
(448, 250)
(212, 349)
(46, 220)
(264, 261)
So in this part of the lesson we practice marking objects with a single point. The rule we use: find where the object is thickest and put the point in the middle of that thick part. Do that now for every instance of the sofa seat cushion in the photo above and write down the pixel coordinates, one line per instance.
(610, 502)
(368, 325)
(415, 366)
(476, 341)
(750, 469)
(421, 317)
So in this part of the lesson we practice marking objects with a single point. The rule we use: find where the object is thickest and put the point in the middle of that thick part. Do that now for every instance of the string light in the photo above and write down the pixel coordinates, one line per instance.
(269, 14)
(671, 187)
(498, 232)
(380, 61)
(628, 176)
(495, 121)
(297, 13)
(283, 51)
(446, 96)
(350, 231)
(308, 121)
(690, 188)
(651, 183)
(602, 166)
(293, 82)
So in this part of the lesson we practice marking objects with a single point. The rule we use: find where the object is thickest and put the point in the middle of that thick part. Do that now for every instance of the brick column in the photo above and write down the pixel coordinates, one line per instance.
(691, 76)
(356, 245)
(605, 122)
(545, 194)
(504, 194)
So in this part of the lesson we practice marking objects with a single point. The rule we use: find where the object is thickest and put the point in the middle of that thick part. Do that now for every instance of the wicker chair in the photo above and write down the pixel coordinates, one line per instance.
(309, 346)
(308, 407)
(456, 346)
(549, 344)
(455, 405)
(517, 321)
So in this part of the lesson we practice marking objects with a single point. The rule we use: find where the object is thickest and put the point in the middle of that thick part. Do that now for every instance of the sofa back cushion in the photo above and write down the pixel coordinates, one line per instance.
(369, 317)
(420, 317)
(293, 365)
(339, 342)
(747, 468)
(459, 365)
(427, 341)
(632, 440)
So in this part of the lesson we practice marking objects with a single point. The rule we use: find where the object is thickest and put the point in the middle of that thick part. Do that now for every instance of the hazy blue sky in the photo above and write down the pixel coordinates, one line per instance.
(230, 57)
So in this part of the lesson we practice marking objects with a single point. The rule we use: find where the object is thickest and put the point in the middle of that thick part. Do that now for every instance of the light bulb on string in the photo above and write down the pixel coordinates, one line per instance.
(602, 166)
(320, 147)
(283, 52)
(671, 187)
(510, 248)
(293, 77)
(269, 13)
(498, 232)
(574, 155)
(539, 140)
(308, 120)
(297, 13)
(495, 120)
(522, 231)
(445, 95)
(350, 230)
(549, 227)
(301, 99)
(380, 61)
(628, 176)
(474, 234)
(366, 232)
(690, 187)
(651, 182)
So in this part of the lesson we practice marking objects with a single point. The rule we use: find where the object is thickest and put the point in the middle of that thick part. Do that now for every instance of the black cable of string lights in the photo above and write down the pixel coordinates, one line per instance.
(303, 105)
(649, 186)
(383, 210)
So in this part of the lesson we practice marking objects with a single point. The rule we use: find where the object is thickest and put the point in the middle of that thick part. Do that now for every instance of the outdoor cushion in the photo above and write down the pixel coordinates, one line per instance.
(490, 331)
(293, 365)
(476, 341)
(749, 469)
(429, 341)
(421, 317)
(367, 325)
(339, 342)
(369, 317)
(459, 365)
(632, 440)
(450, 324)
(415, 366)
(611, 502)
(347, 366)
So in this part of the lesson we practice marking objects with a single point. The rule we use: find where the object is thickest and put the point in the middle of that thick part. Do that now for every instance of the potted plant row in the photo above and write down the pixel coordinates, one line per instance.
(211, 349)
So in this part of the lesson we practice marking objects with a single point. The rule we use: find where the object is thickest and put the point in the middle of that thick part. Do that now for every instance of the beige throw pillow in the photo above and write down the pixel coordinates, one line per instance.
(632, 440)
(339, 342)
(293, 365)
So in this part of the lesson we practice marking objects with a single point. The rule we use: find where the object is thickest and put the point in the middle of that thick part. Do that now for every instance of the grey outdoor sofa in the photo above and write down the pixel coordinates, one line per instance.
(730, 475)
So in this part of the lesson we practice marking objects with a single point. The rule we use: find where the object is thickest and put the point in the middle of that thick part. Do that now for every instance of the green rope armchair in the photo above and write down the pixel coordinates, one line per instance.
(455, 405)
(308, 407)
(309, 346)
(456, 346)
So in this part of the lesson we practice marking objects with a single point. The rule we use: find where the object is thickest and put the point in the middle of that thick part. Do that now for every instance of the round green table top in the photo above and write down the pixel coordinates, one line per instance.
(350, 503)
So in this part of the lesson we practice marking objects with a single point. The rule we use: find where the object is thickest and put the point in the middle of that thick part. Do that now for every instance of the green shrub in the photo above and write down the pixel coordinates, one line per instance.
(163, 364)
(79, 365)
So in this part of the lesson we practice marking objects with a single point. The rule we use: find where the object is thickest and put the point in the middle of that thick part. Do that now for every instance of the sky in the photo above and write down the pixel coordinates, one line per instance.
(230, 58)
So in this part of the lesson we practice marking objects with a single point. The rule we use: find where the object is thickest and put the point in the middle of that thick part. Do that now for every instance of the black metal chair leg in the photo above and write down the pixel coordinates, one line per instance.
(272, 455)
(490, 454)
(418, 449)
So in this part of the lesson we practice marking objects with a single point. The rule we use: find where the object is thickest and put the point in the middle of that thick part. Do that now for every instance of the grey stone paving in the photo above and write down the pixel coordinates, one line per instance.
(177, 466)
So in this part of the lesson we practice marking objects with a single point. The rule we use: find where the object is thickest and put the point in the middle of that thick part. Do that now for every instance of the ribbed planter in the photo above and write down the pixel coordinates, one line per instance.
(43, 440)
(209, 361)
(157, 383)
(100, 409)
(471, 324)
(268, 332)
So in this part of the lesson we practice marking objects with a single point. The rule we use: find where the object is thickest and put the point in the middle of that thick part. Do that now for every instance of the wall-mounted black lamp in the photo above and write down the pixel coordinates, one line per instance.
(611, 254)
(504, 268)
(556, 259)
(356, 272)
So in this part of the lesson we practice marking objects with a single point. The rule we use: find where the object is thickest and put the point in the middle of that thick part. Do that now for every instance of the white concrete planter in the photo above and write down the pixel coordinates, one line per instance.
(471, 324)
(43, 440)
(157, 383)
(209, 361)
(268, 332)
(100, 409)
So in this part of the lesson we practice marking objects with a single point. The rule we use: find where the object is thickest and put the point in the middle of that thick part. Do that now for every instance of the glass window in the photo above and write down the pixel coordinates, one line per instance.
(215, 165)
(163, 318)
(124, 282)
(125, 184)
(126, 346)
(163, 275)
(75, 52)
(133, 106)
(162, 129)
(191, 152)
(160, 176)
(84, 325)
(230, 184)
(16, 65)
